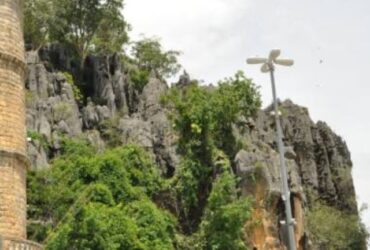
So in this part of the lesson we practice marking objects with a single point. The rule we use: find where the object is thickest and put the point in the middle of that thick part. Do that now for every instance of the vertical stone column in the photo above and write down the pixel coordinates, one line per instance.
(13, 159)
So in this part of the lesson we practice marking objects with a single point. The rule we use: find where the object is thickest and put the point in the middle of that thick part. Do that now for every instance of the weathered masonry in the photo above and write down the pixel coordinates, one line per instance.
(13, 158)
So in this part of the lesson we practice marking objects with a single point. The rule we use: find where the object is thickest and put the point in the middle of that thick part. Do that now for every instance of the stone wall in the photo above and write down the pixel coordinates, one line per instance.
(13, 160)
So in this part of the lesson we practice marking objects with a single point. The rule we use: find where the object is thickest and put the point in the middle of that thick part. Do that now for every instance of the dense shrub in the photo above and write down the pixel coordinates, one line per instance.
(336, 230)
(97, 201)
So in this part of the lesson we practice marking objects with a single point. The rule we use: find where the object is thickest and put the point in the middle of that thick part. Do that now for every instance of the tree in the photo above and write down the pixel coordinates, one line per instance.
(150, 56)
(225, 215)
(90, 25)
(38, 16)
(235, 97)
(112, 31)
(203, 118)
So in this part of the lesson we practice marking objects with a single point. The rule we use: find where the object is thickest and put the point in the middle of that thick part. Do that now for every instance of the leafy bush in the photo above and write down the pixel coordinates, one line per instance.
(98, 201)
(35, 136)
(110, 132)
(76, 90)
(139, 77)
(225, 215)
(201, 115)
(336, 230)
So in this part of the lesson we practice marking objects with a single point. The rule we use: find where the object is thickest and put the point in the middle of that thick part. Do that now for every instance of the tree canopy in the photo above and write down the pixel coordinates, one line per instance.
(89, 26)
(150, 56)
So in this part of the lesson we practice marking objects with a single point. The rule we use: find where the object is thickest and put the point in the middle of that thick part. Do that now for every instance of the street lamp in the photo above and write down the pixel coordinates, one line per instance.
(268, 65)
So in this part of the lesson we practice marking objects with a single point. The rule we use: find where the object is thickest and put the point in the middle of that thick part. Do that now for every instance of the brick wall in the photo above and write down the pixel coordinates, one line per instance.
(12, 196)
(13, 162)
(11, 34)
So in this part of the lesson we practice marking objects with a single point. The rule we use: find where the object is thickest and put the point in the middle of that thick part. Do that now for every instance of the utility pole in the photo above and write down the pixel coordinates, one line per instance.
(268, 65)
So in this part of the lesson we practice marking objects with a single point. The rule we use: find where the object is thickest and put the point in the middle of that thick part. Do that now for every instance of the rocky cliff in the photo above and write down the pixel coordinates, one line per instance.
(318, 160)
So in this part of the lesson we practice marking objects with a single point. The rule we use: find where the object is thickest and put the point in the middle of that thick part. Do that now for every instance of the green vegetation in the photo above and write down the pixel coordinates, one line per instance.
(38, 16)
(204, 118)
(99, 201)
(336, 230)
(86, 26)
(76, 90)
(62, 111)
(105, 201)
(95, 27)
(150, 57)
(205, 185)
(81, 23)
(110, 132)
(225, 215)
(35, 136)
(31, 98)
(139, 77)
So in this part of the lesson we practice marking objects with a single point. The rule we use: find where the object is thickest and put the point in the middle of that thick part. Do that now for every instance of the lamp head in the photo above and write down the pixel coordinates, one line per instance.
(256, 60)
(284, 62)
(274, 54)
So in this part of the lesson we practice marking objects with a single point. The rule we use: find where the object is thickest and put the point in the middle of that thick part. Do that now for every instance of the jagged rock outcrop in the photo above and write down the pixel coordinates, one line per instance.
(51, 106)
(318, 163)
(52, 109)
(318, 160)
(109, 85)
(151, 97)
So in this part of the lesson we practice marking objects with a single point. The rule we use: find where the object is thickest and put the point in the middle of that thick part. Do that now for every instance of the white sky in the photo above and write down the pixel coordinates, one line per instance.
(329, 40)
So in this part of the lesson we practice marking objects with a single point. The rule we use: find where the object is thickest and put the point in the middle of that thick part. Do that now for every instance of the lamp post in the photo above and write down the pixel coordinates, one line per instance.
(268, 65)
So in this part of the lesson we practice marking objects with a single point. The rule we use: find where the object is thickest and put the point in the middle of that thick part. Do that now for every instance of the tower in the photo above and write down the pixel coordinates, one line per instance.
(13, 157)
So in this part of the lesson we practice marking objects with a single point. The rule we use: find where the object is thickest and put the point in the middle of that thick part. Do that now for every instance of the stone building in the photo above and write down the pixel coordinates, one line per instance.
(13, 157)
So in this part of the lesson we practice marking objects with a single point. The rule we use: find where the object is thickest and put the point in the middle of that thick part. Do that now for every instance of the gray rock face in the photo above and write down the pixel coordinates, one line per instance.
(136, 131)
(93, 115)
(321, 156)
(93, 136)
(109, 86)
(164, 142)
(52, 109)
(37, 155)
(150, 98)
(318, 162)
(51, 106)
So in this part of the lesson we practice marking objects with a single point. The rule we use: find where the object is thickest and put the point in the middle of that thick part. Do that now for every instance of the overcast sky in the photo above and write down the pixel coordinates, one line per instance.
(329, 40)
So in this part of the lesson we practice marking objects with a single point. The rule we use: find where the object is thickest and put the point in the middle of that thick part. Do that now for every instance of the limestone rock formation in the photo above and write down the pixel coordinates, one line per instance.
(318, 160)
(318, 163)
(52, 109)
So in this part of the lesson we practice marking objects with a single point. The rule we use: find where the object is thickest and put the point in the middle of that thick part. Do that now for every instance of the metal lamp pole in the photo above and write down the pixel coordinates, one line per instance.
(269, 66)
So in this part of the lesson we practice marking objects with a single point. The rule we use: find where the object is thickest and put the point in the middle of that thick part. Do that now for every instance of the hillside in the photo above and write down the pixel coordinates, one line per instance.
(177, 167)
